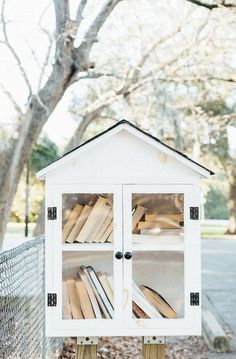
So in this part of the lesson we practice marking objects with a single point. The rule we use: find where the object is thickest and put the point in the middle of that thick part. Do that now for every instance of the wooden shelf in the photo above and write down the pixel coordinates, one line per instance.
(159, 243)
(73, 247)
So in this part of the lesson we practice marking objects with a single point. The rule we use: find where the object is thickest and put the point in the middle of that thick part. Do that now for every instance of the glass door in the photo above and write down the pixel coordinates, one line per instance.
(156, 264)
(86, 234)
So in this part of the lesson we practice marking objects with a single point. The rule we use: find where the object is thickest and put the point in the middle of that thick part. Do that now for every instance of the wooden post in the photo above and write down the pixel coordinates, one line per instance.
(153, 351)
(86, 351)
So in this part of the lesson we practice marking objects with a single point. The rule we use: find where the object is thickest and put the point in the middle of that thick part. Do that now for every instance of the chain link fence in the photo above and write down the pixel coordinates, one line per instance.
(22, 304)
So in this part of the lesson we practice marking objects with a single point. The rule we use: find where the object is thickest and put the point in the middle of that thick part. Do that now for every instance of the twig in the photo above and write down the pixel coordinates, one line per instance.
(11, 98)
(14, 53)
(212, 6)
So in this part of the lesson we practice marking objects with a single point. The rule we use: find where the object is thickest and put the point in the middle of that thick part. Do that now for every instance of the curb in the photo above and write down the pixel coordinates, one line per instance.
(212, 330)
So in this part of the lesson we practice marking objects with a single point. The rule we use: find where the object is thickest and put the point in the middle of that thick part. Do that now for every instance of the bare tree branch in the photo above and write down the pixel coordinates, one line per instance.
(211, 6)
(91, 34)
(135, 72)
(79, 13)
(62, 13)
(12, 50)
(45, 63)
(12, 100)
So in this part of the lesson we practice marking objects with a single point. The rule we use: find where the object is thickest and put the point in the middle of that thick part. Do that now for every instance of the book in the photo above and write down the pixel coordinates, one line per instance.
(79, 224)
(136, 230)
(86, 306)
(110, 239)
(176, 217)
(138, 312)
(74, 300)
(93, 300)
(107, 233)
(110, 281)
(141, 301)
(106, 286)
(105, 225)
(99, 292)
(74, 214)
(88, 227)
(158, 302)
(137, 215)
(101, 219)
(66, 312)
(158, 224)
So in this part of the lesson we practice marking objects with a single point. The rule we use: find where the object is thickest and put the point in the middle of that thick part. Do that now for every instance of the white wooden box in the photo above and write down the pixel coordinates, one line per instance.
(129, 168)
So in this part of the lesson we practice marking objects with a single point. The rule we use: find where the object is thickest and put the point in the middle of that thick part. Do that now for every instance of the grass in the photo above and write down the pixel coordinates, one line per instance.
(212, 231)
(17, 230)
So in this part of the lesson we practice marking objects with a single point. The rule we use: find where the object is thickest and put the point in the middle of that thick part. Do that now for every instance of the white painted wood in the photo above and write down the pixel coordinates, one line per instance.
(154, 340)
(129, 134)
(122, 162)
(191, 282)
(87, 340)
(110, 161)
(97, 329)
(55, 322)
(49, 282)
(198, 169)
(70, 156)
(190, 324)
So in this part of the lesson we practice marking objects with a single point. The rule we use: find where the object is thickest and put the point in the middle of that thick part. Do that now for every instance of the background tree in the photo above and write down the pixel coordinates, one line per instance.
(43, 152)
(68, 62)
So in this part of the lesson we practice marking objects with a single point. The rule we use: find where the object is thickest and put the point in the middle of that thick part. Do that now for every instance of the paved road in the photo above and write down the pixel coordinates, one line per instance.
(219, 277)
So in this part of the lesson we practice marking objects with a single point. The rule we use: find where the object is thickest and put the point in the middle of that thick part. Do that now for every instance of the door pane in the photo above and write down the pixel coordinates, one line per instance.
(87, 256)
(87, 285)
(87, 218)
(158, 256)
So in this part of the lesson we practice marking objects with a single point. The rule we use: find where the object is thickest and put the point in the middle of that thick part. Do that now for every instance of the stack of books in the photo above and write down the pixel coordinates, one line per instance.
(89, 296)
(86, 223)
(152, 224)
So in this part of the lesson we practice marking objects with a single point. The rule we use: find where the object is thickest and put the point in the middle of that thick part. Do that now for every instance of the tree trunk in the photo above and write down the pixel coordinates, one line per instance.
(232, 199)
(69, 61)
(40, 224)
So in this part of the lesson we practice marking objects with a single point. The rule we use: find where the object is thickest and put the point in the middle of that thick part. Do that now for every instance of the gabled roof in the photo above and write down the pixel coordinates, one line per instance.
(130, 127)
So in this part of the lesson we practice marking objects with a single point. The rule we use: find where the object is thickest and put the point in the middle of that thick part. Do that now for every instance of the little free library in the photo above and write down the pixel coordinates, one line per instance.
(123, 238)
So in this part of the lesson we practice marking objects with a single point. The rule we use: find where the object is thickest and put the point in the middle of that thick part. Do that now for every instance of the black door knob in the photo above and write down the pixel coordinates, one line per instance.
(119, 255)
(128, 255)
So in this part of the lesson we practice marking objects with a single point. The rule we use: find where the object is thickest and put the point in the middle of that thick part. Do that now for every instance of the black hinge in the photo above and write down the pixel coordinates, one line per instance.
(194, 212)
(52, 299)
(52, 213)
(194, 298)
